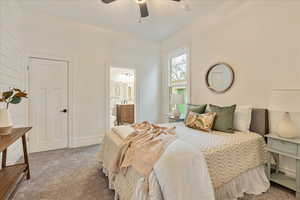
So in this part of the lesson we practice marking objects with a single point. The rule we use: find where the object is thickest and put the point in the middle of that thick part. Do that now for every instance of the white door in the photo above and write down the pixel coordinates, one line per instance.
(48, 107)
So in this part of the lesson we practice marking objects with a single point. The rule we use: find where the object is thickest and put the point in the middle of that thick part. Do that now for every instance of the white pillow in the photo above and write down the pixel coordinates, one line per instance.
(242, 118)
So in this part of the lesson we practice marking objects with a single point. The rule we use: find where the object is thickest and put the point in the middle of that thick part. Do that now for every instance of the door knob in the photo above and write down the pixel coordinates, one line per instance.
(64, 110)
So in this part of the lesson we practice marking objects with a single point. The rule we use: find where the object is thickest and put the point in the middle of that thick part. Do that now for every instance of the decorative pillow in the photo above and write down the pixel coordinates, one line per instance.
(202, 122)
(224, 118)
(242, 118)
(200, 109)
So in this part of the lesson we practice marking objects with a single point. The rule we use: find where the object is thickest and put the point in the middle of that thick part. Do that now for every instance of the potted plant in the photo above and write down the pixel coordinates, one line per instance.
(12, 96)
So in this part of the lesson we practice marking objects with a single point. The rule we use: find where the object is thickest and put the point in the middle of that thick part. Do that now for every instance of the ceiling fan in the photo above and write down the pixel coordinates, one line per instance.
(142, 4)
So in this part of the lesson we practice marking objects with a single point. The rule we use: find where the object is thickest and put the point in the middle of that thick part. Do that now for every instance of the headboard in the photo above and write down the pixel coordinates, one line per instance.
(260, 121)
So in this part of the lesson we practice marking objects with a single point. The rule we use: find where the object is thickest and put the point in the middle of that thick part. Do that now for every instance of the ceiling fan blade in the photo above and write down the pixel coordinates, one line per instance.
(144, 10)
(108, 1)
(176, 0)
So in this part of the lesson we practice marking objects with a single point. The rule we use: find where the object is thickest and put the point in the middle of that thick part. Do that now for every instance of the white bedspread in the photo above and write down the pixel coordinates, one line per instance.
(182, 173)
(123, 131)
(220, 159)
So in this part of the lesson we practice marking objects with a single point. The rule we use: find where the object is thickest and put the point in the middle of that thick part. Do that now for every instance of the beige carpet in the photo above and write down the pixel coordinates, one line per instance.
(73, 174)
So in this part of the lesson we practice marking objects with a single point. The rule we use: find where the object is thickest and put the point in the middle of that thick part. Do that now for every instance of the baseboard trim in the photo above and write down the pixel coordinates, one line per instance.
(86, 141)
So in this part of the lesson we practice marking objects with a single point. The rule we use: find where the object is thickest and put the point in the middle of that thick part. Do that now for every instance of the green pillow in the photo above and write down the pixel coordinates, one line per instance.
(199, 109)
(224, 118)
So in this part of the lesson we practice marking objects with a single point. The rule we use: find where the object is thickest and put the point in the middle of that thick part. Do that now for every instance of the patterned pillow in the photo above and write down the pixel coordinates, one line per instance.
(202, 122)
(200, 109)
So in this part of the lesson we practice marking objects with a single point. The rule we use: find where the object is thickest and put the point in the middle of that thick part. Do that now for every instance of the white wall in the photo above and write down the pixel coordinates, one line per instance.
(90, 50)
(261, 42)
(12, 66)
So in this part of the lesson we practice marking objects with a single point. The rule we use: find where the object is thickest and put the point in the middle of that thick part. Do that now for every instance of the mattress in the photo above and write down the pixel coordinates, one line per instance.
(227, 155)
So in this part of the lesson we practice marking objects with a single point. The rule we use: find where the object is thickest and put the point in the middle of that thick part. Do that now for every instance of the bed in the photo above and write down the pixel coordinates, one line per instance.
(235, 162)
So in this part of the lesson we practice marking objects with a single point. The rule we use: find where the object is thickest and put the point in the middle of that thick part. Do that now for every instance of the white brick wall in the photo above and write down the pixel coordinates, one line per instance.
(12, 63)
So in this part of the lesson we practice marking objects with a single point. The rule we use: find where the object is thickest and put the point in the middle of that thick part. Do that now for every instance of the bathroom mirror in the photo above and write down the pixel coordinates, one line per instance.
(220, 77)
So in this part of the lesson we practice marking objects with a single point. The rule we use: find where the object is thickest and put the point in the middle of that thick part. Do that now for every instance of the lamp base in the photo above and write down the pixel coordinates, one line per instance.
(176, 114)
(286, 127)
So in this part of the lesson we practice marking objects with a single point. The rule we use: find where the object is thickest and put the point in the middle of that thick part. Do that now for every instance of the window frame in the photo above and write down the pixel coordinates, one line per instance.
(176, 53)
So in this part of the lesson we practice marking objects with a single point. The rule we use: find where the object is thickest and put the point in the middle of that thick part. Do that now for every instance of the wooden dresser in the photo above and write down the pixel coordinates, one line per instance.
(125, 114)
(11, 175)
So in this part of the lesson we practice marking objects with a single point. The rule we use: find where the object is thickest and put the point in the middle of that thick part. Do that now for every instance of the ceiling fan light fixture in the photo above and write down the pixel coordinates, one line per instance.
(140, 1)
(142, 5)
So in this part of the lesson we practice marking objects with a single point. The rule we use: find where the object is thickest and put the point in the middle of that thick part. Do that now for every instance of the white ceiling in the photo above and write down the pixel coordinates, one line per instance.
(166, 16)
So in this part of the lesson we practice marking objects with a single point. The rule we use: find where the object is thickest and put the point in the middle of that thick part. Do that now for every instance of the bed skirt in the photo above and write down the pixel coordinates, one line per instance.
(253, 182)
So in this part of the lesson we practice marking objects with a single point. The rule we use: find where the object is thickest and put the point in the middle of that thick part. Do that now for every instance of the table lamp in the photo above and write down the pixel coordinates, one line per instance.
(287, 101)
(176, 99)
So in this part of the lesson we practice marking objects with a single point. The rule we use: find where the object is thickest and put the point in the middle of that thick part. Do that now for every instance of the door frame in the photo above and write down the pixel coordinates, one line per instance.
(136, 92)
(70, 92)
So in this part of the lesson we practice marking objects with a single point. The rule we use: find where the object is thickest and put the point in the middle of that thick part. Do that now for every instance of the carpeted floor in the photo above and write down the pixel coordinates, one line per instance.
(73, 174)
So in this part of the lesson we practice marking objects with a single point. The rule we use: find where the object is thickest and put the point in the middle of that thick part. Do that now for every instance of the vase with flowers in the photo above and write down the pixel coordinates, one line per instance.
(12, 96)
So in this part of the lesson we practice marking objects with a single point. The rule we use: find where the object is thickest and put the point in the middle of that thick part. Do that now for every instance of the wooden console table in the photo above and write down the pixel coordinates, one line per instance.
(11, 175)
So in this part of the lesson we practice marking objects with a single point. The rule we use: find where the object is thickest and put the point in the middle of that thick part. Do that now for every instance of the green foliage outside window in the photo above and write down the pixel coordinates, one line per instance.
(178, 79)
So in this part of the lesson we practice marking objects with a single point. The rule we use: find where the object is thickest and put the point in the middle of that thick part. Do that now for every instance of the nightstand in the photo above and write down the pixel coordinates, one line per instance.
(291, 149)
(172, 119)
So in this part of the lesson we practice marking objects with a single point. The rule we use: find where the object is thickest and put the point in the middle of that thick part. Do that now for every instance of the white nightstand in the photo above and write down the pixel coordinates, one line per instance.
(291, 149)
(172, 119)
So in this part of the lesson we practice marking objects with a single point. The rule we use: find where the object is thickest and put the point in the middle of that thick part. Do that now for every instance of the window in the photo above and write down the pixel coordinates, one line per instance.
(178, 78)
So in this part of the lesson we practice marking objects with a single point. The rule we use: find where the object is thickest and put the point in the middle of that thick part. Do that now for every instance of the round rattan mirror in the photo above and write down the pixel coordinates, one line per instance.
(220, 77)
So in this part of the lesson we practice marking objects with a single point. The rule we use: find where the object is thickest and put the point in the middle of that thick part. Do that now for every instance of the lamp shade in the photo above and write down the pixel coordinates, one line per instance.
(285, 100)
(177, 99)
